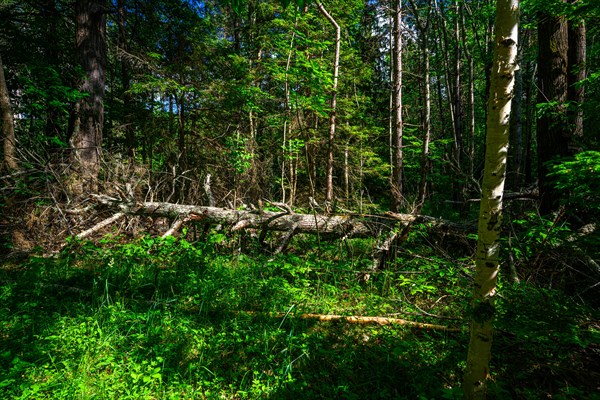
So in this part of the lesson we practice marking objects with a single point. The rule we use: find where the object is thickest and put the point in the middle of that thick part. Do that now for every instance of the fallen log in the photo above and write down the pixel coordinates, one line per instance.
(348, 226)
(333, 226)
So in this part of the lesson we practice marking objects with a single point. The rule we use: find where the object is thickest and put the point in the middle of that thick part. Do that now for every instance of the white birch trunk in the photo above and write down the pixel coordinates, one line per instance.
(490, 214)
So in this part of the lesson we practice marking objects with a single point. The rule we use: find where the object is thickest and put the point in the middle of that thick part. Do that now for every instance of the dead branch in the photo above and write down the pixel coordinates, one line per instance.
(175, 226)
(101, 225)
(353, 319)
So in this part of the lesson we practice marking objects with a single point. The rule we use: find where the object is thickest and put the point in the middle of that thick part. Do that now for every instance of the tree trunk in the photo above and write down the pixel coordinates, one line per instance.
(8, 124)
(471, 63)
(553, 137)
(332, 115)
(87, 136)
(397, 166)
(577, 73)
(516, 125)
(288, 122)
(529, 115)
(423, 28)
(426, 128)
(130, 143)
(490, 213)
(50, 17)
(458, 106)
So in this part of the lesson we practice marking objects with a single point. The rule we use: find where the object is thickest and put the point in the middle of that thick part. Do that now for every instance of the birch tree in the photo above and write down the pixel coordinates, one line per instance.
(490, 213)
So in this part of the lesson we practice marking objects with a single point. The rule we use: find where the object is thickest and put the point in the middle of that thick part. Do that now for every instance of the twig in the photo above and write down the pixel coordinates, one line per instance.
(425, 314)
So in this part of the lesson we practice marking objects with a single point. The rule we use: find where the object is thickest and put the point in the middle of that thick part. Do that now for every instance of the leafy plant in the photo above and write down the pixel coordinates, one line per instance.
(580, 176)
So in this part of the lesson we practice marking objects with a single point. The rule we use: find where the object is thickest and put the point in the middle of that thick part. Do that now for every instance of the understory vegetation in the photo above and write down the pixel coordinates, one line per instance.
(215, 316)
(276, 199)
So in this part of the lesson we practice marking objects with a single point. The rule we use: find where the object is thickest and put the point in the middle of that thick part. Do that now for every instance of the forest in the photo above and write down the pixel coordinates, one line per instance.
(275, 199)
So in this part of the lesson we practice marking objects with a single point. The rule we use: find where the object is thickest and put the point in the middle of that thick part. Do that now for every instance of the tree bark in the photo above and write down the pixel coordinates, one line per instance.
(423, 27)
(397, 165)
(469, 53)
(577, 73)
(8, 124)
(490, 213)
(87, 136)
(516, 125)
(458, 106)
(529, 115)
(332, 115)
(130, 142)
(553, 137)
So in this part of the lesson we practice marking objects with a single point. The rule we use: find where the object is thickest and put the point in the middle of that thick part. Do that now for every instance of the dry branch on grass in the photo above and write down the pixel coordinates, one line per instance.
(354, 319)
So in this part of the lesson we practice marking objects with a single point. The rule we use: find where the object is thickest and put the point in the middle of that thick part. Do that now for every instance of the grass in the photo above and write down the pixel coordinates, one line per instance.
(164, 318)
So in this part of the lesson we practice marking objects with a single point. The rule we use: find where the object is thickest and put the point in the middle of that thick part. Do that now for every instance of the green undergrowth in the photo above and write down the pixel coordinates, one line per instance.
(166, 318)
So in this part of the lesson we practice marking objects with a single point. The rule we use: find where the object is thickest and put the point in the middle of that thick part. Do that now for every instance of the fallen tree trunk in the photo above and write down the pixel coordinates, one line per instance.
(336, 226)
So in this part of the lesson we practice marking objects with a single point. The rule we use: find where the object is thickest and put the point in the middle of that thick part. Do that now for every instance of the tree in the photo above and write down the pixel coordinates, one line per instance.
(332, 113)
(490, 213)
(553, 136)
(397, 123)
(577, 72)
(8, 126)
(86, 141)
(423, 27)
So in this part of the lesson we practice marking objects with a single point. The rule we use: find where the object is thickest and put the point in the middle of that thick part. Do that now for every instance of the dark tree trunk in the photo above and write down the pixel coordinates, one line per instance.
(8, 127)
(577, 73)
(553, 137)
(87, 136)
(50, 18)
(130, 142)
(531, 72)
(516, 120)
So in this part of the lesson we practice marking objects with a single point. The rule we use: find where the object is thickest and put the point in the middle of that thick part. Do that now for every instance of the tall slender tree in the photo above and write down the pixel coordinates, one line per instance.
(576, 56)
(333, 111)
(423, 25)
(398, 124)
(490, 213)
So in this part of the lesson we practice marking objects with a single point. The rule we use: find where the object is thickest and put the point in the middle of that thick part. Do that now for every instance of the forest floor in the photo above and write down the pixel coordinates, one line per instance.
(221, 318)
